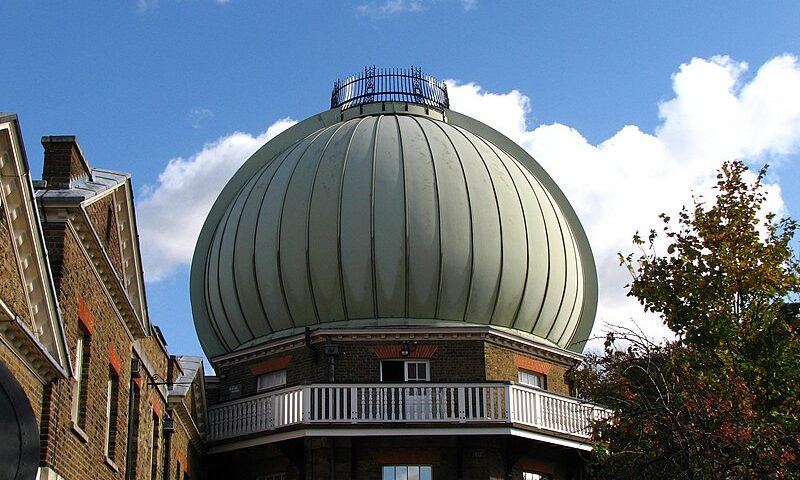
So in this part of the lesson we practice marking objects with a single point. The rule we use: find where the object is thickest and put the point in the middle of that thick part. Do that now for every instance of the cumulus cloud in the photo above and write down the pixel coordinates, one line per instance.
(620, 185)
(190, 186)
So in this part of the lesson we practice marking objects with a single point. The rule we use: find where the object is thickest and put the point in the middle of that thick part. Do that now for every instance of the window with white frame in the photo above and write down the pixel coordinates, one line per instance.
(112, 403)
(417, 372)
(271, 380)
(405, 371)
(532, 379)
(534, 476)
(407, 472)
(79, 392)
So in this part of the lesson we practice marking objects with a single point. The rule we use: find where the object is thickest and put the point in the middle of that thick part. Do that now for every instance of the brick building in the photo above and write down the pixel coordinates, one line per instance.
(390, 290)
(91, 390)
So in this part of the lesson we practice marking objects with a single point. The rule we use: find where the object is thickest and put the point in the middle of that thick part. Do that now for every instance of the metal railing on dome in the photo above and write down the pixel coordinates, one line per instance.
(390, 85)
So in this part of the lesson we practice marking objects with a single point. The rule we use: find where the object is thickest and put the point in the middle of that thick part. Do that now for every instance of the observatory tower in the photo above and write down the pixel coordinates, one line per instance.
(393, 290)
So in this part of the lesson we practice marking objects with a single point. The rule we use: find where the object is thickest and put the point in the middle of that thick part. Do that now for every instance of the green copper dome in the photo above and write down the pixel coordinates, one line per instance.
(391, 214)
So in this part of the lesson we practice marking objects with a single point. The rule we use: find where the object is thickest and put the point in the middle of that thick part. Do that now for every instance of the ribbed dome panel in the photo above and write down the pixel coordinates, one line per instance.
(390, 220)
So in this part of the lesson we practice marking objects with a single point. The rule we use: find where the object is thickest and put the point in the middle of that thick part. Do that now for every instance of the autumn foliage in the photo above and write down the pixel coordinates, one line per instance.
(721, 401)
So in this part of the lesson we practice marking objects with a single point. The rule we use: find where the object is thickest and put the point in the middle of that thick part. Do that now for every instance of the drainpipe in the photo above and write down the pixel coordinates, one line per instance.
(133, 404)
(331, 352)
(168, 429)
(311, 347)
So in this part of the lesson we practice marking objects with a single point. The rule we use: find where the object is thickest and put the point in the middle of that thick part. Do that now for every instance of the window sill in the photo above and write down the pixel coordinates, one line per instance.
(112, 465)
(276, 387)
(79, 432)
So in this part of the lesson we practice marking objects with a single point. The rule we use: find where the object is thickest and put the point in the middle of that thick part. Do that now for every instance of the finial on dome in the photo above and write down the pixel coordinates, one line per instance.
(390, 85)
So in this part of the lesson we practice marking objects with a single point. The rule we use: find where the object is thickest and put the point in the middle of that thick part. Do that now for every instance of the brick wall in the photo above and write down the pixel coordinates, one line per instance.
(373, 453)
(103, 216)
(80, 453)
(11, 289)
(247, 464)
(69, 452)
(300, 369)
(155, 355)
(151, 409)
(467, 457)
(31, 384)
(357, 362)
(501, 365)
(183, 453)
(63, 161)
(452, 361)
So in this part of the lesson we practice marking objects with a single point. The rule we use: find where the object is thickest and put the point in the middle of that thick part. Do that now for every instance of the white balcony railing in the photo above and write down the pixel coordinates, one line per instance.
(482, 403)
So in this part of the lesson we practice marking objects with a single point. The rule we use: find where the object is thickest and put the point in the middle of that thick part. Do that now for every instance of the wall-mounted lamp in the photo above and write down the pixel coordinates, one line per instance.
(168, 425)
(407, 348)
(136, 368)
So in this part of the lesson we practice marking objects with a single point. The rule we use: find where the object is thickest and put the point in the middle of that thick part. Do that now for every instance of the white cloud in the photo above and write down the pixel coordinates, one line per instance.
(145, 5)
(620, 185)
(390, 7)
(198, 116)
(173, 211)
(386, 8)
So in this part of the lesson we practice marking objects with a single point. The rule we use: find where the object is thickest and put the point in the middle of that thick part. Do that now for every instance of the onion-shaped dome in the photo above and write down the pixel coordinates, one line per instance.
(391, 214)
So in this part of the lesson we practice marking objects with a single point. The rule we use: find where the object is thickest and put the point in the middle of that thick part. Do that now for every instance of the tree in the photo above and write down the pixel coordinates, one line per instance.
(721, 401)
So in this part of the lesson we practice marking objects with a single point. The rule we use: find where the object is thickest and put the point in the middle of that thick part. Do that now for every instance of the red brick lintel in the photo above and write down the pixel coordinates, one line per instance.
(537, 466)
(114, 360)
(271, 365)
(85, 315)
(393, 351)
(156, 405)
(537, 366)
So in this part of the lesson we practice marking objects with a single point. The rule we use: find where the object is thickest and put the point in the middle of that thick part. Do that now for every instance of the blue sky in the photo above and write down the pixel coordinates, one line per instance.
(143, 83)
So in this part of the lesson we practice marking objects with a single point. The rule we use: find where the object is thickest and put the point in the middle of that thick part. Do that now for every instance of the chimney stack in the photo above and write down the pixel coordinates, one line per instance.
(64, 162)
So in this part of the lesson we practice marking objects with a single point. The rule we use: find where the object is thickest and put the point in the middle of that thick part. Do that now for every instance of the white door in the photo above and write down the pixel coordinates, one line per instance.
(418, 397)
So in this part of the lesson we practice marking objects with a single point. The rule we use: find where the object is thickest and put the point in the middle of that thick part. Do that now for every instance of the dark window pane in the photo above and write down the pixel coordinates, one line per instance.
(392, 371)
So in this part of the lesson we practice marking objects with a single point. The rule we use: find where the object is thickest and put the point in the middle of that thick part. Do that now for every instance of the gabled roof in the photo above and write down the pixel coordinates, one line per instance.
(41, 342)
(84, 190)
(81, 191)
(191, 375)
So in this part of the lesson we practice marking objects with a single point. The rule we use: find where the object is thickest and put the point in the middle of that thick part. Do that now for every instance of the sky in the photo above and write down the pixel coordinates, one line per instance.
(629, 105)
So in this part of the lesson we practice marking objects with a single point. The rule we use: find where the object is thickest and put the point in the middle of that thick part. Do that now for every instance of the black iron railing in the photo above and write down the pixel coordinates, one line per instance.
(390, 85)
